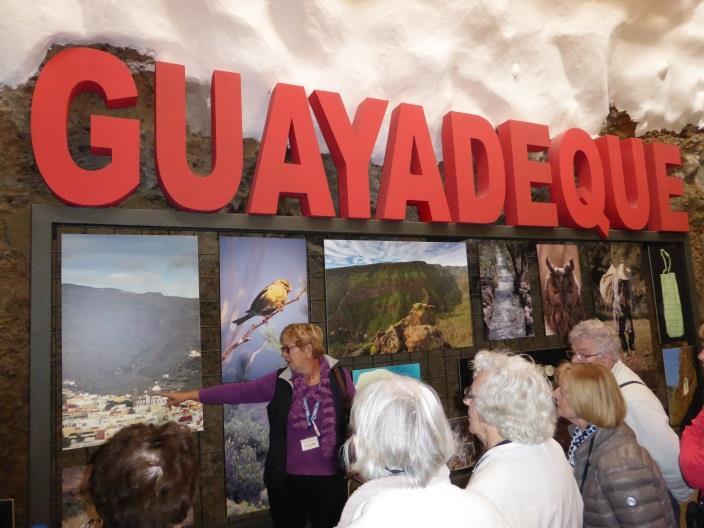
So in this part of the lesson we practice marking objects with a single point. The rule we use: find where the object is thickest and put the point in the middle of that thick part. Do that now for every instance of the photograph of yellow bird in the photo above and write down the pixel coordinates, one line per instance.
(268, 302)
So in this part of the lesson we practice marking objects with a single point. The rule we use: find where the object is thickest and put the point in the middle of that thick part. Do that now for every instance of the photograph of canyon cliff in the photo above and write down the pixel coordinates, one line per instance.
(385, 297)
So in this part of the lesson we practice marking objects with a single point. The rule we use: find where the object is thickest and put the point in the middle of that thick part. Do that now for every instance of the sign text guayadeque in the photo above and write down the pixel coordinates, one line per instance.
(597, 184)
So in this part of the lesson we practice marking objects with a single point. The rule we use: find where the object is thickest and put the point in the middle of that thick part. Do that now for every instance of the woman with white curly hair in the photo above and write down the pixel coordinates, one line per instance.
(400, 445)
(523, 471)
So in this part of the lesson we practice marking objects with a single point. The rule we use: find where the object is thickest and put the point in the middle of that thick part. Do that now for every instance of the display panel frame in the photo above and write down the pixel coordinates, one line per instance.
(47, 219)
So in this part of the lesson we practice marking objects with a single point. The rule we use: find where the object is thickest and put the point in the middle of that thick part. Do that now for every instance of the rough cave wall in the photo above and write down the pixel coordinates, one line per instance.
(21, 186)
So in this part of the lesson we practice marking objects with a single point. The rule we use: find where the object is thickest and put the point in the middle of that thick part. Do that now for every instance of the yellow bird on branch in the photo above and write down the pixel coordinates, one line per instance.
(268, 302)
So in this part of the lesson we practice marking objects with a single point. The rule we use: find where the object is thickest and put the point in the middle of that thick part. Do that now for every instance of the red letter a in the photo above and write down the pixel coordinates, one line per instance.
(67, 74)
(289, 120)
(410, 175)
(183, 188)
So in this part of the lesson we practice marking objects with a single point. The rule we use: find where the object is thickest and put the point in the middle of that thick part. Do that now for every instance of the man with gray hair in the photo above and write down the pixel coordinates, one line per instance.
(523, 471)
(594, 341)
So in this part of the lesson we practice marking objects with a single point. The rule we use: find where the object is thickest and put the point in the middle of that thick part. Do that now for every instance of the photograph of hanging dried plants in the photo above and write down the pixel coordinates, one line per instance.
(384, 297)
(506, 287)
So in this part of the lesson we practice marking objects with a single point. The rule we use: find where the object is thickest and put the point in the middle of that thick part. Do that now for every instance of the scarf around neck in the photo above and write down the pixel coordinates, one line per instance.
(322, 393)
(579, 436)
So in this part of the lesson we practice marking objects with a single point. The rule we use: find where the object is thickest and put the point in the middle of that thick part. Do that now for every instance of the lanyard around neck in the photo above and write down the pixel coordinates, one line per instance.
(310, 417)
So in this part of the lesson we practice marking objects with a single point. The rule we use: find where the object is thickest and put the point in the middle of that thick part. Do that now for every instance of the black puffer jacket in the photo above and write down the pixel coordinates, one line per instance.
(623, 486)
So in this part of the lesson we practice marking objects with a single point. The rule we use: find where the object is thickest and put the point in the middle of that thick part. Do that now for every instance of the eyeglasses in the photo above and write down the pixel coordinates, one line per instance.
(286, 349)
(580, 355)
(467, 396)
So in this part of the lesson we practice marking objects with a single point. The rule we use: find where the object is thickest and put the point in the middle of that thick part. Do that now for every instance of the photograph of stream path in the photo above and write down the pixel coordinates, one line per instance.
(507, 304)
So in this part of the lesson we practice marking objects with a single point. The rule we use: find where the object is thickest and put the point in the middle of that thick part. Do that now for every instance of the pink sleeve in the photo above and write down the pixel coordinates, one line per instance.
(692, 453)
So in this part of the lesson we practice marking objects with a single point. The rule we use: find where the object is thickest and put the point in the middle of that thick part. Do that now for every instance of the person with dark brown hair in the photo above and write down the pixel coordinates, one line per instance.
(145, 476)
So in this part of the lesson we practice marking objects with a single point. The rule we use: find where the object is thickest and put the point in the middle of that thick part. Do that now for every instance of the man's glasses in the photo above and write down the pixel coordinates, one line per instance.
(580, 355)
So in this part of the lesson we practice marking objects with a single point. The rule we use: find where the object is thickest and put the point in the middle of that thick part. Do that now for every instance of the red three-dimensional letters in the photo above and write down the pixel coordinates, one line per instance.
(658, 157)
(410, 175)
(350, 146)
(183, 188)
(579, 204)
(289, 121)
(67, 74)
(468, 140)
(518, 138)
(627, 193)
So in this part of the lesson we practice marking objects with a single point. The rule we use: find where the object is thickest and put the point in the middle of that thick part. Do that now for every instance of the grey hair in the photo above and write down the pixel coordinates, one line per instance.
(398, 426)
(601, 335)
(514, 396)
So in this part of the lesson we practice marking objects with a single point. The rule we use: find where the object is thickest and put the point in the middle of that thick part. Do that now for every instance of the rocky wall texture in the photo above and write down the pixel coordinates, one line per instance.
(21, 186)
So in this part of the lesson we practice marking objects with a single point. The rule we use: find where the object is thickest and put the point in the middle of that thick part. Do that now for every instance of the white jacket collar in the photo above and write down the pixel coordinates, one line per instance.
(287, 375)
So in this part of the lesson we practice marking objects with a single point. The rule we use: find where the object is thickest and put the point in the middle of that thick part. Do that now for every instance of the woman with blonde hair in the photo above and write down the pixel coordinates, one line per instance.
(619, 481)
(307, 411)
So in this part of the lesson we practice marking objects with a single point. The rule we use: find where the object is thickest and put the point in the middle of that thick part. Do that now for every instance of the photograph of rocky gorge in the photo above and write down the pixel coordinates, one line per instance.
(384, 297)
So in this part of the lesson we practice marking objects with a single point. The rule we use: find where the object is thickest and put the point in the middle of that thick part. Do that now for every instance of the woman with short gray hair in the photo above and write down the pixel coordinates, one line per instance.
(523, 471)
(400, 445)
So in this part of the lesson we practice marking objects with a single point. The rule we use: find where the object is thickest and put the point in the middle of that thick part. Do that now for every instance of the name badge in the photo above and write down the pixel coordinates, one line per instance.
(310, 443)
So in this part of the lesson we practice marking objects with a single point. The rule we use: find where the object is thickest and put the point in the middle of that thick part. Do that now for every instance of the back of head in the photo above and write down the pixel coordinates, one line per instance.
(593, 393)
(145, 476)
(601, 335)
(399, 427)
(514, 396)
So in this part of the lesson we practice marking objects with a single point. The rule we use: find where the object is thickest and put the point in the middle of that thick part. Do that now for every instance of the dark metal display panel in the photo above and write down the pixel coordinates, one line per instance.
(439, 367)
